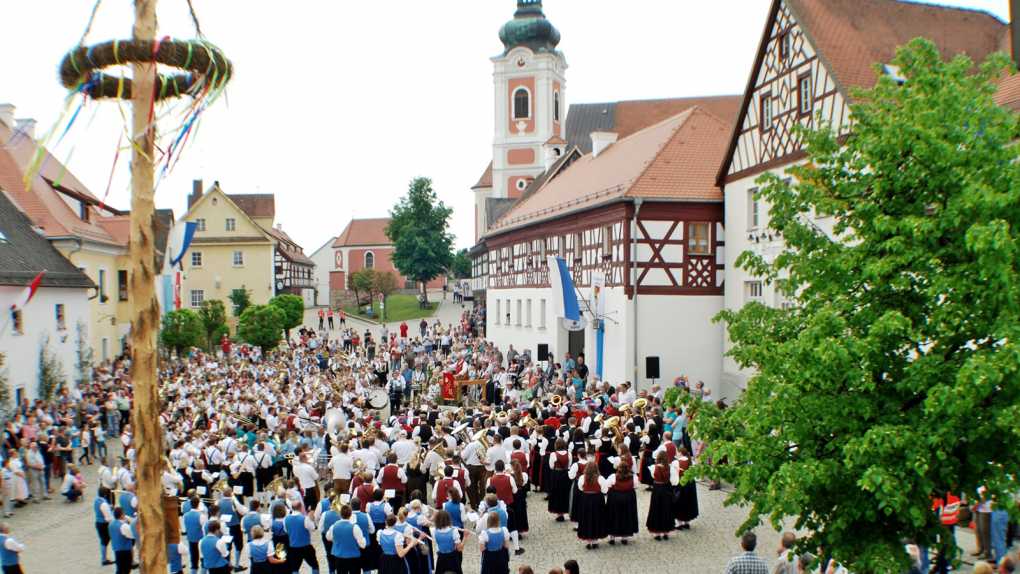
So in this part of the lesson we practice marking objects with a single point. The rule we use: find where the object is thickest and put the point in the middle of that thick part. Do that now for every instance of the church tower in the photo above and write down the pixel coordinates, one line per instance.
(530, 103)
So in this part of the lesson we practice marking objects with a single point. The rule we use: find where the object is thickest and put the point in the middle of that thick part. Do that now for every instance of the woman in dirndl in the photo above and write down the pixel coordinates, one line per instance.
(449, 546)
(591, 506)
(621, 502)
(560, 484)
(520, 504)
(661, 519)
(686, 498)
(280, 539)
(494, 544)
(576, 470)
(649, 444)
(395, 547)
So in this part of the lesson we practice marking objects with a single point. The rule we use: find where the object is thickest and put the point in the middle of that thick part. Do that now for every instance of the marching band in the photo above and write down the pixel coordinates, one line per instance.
(265, 451)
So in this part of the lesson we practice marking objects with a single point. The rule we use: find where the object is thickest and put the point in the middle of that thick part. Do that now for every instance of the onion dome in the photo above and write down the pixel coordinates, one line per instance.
(529, 28)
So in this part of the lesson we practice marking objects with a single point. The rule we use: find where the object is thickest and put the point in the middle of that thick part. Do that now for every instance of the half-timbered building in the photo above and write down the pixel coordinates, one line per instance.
(812, 55)
(642, 219)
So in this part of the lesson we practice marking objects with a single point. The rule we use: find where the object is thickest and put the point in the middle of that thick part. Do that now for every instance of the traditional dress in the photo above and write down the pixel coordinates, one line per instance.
(660, 511)
(520, 506)
(591, 509)
(449, 559)
(389, 561)
(686, 499)
(560, 484)
(495, 557)
(621, 506)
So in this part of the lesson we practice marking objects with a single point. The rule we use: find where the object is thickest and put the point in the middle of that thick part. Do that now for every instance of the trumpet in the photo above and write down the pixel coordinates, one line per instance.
(280, 552)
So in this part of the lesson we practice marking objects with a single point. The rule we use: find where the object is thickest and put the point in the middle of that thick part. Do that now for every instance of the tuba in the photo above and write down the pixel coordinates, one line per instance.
(640, 405)
(556, 400)
(482, 438)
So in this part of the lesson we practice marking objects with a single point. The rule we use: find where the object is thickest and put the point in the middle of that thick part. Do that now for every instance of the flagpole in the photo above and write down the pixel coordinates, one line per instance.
(148, 437)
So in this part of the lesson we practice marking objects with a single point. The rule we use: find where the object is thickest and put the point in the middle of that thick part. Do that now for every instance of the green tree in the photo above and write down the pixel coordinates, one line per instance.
(419, 223)
(894, 376)
(51, 372)
(461, 266)
(363, 281)
(293, 308)
(384, 283)
(182, 330)
(214, 320)
(240, 299)
(262, 325)
(5, 389)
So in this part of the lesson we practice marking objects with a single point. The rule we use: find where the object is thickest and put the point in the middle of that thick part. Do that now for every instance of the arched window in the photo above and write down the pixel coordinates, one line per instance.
(556, 106)
(369, 260)
(522, 104)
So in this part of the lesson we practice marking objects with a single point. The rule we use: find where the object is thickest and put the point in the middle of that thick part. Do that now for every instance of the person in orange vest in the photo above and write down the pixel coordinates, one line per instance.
(322, 318)
(948, 509)
(329, 318)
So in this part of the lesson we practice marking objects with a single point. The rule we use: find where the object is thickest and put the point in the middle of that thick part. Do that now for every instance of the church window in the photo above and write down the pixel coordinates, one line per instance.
(766, 112)
(556, 107)
(522, 104)
(369, 260)
(805, 97)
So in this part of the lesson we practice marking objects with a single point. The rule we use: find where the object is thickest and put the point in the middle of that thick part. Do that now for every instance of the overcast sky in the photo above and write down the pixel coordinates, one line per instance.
(337, 104)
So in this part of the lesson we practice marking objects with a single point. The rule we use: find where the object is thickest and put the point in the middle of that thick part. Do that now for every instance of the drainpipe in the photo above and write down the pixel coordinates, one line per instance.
(81, 245)
(633, 282)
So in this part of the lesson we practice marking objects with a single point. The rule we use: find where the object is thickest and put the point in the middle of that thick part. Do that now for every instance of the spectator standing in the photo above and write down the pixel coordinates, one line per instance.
(747, 562)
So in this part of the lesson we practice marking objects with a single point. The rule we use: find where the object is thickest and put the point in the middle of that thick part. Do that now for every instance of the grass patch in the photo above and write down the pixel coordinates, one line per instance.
(399, 307)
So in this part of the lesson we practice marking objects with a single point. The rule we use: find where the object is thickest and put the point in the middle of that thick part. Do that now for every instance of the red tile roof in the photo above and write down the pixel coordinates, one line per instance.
(852, 36)
(364, 232)
(118, 226)
(635, 115)
(288, 247)
(675, 159)
(1008, 94)
(255, 205)
(45, 206)
(486, 179)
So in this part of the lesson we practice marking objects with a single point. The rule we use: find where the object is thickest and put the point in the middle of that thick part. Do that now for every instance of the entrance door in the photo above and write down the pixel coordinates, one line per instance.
(575, 343)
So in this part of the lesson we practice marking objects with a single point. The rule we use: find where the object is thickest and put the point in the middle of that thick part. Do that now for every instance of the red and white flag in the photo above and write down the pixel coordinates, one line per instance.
(28, 293)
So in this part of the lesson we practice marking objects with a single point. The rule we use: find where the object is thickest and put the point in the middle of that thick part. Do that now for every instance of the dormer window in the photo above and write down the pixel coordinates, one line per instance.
(83, 211)
(522, 104)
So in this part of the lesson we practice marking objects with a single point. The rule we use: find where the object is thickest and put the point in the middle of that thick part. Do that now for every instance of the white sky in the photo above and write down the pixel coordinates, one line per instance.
(337, 104)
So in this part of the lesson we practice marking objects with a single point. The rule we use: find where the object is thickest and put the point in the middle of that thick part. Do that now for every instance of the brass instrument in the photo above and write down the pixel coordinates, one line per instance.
(640, 405)
(528, 422)
(280, 552)
(482, 438)
(556, 400)
(613, 425)
(242, 420)
(275, 485)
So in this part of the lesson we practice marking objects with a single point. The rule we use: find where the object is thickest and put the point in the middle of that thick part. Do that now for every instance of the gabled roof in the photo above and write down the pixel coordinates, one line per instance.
(364, 232)
(327, 245)
(675, 159)
(1008, 94)
(851, 36)
(288, 247)
(25, 253)
(255, 205)
(45, 202)
(627, 117)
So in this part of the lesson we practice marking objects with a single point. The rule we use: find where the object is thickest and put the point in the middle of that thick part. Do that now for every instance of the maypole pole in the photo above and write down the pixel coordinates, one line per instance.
(145, 320)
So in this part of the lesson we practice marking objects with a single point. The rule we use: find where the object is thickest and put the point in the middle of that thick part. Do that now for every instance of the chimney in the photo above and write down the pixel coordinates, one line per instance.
(279, 227)
(196, 192)
(7, 115)
(26, 126)
(602, 140)
(1014, 29)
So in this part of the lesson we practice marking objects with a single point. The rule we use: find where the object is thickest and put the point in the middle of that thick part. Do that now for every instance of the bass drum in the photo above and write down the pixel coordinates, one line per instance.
(378, 399)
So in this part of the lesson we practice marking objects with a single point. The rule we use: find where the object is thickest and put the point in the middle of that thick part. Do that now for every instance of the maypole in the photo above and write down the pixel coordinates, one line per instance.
(200, 72)
(145, 317)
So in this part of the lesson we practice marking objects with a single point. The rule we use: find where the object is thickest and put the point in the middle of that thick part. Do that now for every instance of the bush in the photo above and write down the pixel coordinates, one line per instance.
(261, 325)
(182, 329)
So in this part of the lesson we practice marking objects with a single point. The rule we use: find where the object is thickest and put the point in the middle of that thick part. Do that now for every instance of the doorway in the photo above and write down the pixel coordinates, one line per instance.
(575, 343)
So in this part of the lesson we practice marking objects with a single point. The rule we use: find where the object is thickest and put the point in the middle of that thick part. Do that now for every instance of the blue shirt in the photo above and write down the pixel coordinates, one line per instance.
(7, 557)
(250, 520)
(344, 543)
(454, 511)
(297, 534)
(444, 541)
(125, 503)
(97, 506)
(211, 557)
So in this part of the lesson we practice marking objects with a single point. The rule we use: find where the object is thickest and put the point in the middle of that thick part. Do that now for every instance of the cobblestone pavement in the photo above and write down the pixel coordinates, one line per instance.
(61, 538)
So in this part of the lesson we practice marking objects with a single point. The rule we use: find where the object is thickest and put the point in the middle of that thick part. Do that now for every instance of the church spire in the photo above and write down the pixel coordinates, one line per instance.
(529, 28)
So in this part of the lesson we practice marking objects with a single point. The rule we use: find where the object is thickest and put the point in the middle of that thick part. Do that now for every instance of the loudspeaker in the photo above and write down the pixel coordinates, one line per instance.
(543, 352)
(651, 367)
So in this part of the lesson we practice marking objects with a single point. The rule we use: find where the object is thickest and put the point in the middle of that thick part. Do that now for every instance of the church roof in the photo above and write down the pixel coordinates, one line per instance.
(675, 159)
(529, 28)
(486, 178)
(364, 232)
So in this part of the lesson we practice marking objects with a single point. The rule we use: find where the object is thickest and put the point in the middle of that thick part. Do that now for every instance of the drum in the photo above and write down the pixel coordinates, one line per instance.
(378, 399)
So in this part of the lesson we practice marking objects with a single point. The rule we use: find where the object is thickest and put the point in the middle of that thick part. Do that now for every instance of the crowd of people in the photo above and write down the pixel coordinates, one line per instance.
(268, 450)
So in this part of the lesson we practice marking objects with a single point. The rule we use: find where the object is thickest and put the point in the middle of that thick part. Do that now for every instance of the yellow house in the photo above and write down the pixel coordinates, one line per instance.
(232, 248)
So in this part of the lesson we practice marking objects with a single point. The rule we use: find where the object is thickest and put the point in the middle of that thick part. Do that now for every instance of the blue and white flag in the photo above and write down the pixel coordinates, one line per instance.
(563, 294)
(178, 242)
